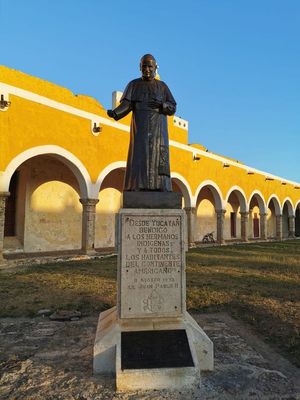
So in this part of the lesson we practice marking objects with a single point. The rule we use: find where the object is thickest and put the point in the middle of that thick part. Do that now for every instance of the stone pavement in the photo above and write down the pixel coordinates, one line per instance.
(42, 359)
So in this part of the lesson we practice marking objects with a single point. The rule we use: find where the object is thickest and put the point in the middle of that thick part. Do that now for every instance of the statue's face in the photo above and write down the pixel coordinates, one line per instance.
(148, 67)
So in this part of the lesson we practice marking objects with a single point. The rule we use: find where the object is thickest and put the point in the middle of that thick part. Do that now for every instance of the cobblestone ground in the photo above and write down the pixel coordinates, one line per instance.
(51, 360)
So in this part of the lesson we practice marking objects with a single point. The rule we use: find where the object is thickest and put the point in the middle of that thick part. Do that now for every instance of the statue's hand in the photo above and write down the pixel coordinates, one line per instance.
(155, 104)
(111, 113)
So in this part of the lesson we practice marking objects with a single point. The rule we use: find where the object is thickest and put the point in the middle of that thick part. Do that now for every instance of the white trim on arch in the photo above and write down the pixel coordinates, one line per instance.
(241, 196)
(105, 172)
(261, 197)
(64, 155)
(185, 188)
(289, 202)
(297, 205)
(277, 204)
(217, 194)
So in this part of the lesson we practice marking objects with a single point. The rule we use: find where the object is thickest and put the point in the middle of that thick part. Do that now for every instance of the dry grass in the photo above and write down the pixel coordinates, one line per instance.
(88, 286)
(258, 283)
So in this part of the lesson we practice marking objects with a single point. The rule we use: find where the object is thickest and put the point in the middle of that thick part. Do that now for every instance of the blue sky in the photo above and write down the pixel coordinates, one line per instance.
(233, 66)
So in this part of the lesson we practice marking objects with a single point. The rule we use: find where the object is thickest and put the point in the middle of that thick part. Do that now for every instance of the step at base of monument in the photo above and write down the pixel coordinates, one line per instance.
(113, 353)
(157, 378)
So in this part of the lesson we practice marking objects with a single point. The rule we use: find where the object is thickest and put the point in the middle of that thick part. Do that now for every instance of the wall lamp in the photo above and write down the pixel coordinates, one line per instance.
(283, 183)
(96, 129)
(269, 178)
(296, 187)
(196, 157)
(250, 172)
(226, 165)
(4, 103)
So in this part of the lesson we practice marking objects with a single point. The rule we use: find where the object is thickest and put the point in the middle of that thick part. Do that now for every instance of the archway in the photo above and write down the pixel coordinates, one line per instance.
(235, 205)
(46, 210)
(110, 195)
(287, 215)
(273, 212)
(66, 157)
(257, 216)
(180, 184)
(209, 201)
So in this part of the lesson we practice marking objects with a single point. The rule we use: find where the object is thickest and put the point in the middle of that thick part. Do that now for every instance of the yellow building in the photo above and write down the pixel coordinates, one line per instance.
(62, 164)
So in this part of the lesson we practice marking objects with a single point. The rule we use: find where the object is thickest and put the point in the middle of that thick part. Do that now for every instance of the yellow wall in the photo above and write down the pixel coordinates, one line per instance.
(48, 215)
(53, 219)
(27, 124)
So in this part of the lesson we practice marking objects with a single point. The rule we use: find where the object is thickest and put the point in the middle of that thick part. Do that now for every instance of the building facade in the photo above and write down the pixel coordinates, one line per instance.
(62, 163)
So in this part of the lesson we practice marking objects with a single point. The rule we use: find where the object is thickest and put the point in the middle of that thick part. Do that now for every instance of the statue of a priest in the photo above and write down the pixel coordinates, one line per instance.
(150, 100)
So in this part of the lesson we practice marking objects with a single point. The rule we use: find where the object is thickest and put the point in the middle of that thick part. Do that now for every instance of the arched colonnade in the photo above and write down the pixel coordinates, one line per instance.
(48, 201)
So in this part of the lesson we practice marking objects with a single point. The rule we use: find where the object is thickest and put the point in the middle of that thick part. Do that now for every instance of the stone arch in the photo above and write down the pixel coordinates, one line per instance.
(236, 204)
(288, 202)
(274, 198)
(215, 190)
(68, 158)
(288, 215)
(273, 213)
(209, 204)
(45, 196)
(256, 194)
(257, 216)
(184, 187)
(106, 171)
(240, 195)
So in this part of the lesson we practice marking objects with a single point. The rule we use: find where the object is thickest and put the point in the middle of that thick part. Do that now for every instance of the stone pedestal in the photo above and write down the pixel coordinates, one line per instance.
(149, 341)
(152, 200)
(244, 225)
(88, 224)
(3, 197)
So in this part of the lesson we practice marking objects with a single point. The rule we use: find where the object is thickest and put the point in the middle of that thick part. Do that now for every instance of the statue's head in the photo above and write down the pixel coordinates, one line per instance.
(148, 67)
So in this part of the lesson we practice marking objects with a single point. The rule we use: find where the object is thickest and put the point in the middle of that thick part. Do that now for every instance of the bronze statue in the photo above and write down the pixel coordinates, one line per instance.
(150, 100)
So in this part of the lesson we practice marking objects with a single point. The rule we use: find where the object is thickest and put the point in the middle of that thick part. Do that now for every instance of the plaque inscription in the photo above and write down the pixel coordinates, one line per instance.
(151, 265)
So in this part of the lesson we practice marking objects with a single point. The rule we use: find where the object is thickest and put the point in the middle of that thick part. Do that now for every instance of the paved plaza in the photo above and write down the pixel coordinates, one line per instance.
(52, 360)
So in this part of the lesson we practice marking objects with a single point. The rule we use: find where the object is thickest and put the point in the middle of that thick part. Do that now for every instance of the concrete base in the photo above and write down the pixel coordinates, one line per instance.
(107, 352)
(157, 378)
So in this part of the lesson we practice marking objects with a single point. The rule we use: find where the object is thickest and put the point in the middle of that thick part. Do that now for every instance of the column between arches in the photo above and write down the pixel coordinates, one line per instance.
(244, 225)
(279, 226)
(263, 225)
(88, 225)
(191, 216)
(220, 225)
(292, 226)
(3, 197)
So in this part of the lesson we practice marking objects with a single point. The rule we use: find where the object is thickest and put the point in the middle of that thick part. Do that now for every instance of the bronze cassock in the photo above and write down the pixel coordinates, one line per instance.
(150, 100)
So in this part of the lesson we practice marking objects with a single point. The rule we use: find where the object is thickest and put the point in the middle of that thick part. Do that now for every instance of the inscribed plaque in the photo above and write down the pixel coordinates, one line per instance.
(151, 264)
